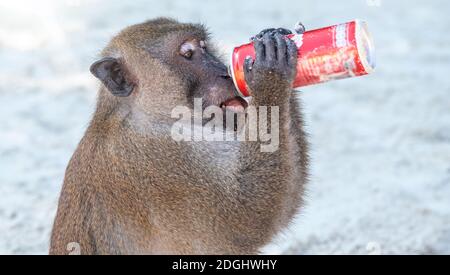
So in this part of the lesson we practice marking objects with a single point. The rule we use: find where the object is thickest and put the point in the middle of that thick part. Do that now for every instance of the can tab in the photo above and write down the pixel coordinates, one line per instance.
(299, 28)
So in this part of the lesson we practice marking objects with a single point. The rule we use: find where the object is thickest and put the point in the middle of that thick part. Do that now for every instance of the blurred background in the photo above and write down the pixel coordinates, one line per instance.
(380, 144)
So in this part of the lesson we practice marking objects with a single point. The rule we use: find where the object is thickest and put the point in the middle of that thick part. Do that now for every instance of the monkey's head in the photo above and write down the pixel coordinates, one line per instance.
(158, 65)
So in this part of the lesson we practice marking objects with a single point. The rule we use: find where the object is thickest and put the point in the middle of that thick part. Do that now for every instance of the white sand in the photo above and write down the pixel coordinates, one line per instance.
(380, 178)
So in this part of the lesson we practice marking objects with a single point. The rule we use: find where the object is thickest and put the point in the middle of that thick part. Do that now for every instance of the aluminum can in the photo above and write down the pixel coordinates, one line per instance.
(335, 52)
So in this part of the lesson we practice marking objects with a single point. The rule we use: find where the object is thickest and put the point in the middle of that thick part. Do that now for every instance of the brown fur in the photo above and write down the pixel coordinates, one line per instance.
(131, 189)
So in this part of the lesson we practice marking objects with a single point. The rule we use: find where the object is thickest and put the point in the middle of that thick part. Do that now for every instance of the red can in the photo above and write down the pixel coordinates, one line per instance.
(335, 52)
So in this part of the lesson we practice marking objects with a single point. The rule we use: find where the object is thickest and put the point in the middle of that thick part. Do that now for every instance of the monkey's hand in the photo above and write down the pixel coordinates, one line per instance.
(271, 31)
(270, 76)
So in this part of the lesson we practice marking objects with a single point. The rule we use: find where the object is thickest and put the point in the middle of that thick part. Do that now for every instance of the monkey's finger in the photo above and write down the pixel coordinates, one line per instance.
(269, 44)
(262, 33)
(282, 31)
(259, 50)
(281, 48)
(248, 64)
(291, 53)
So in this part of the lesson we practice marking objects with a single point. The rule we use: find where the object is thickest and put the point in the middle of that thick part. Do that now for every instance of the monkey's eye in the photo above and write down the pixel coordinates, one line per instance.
(187, 50)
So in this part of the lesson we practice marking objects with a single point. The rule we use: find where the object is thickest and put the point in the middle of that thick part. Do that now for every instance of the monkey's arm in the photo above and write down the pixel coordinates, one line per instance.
(271, 183)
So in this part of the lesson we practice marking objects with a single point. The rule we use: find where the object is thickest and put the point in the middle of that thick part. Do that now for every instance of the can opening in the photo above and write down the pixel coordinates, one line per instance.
(366, 47)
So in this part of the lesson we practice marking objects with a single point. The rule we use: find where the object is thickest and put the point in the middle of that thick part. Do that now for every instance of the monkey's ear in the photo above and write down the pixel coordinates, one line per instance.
(109, 71)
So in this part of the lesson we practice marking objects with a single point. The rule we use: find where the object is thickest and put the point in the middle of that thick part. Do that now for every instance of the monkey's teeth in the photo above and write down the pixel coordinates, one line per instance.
(236, 105)
(235, 109)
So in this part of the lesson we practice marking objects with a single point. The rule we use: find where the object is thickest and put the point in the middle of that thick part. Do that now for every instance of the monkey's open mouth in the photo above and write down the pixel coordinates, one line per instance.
(236, 104)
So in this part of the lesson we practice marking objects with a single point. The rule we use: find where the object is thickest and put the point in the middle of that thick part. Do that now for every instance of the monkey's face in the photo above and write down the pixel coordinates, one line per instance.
(163, 64)
(207, 77)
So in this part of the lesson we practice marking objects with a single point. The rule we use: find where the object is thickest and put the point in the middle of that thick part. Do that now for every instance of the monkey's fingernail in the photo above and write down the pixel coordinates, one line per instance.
(256, 37)
(299, 28)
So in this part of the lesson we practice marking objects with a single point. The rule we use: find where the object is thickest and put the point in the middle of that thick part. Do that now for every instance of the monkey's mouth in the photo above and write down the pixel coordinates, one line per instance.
(236, 104)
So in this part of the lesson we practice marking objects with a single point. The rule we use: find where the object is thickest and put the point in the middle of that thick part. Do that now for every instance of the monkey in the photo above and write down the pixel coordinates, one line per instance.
(130, 188)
